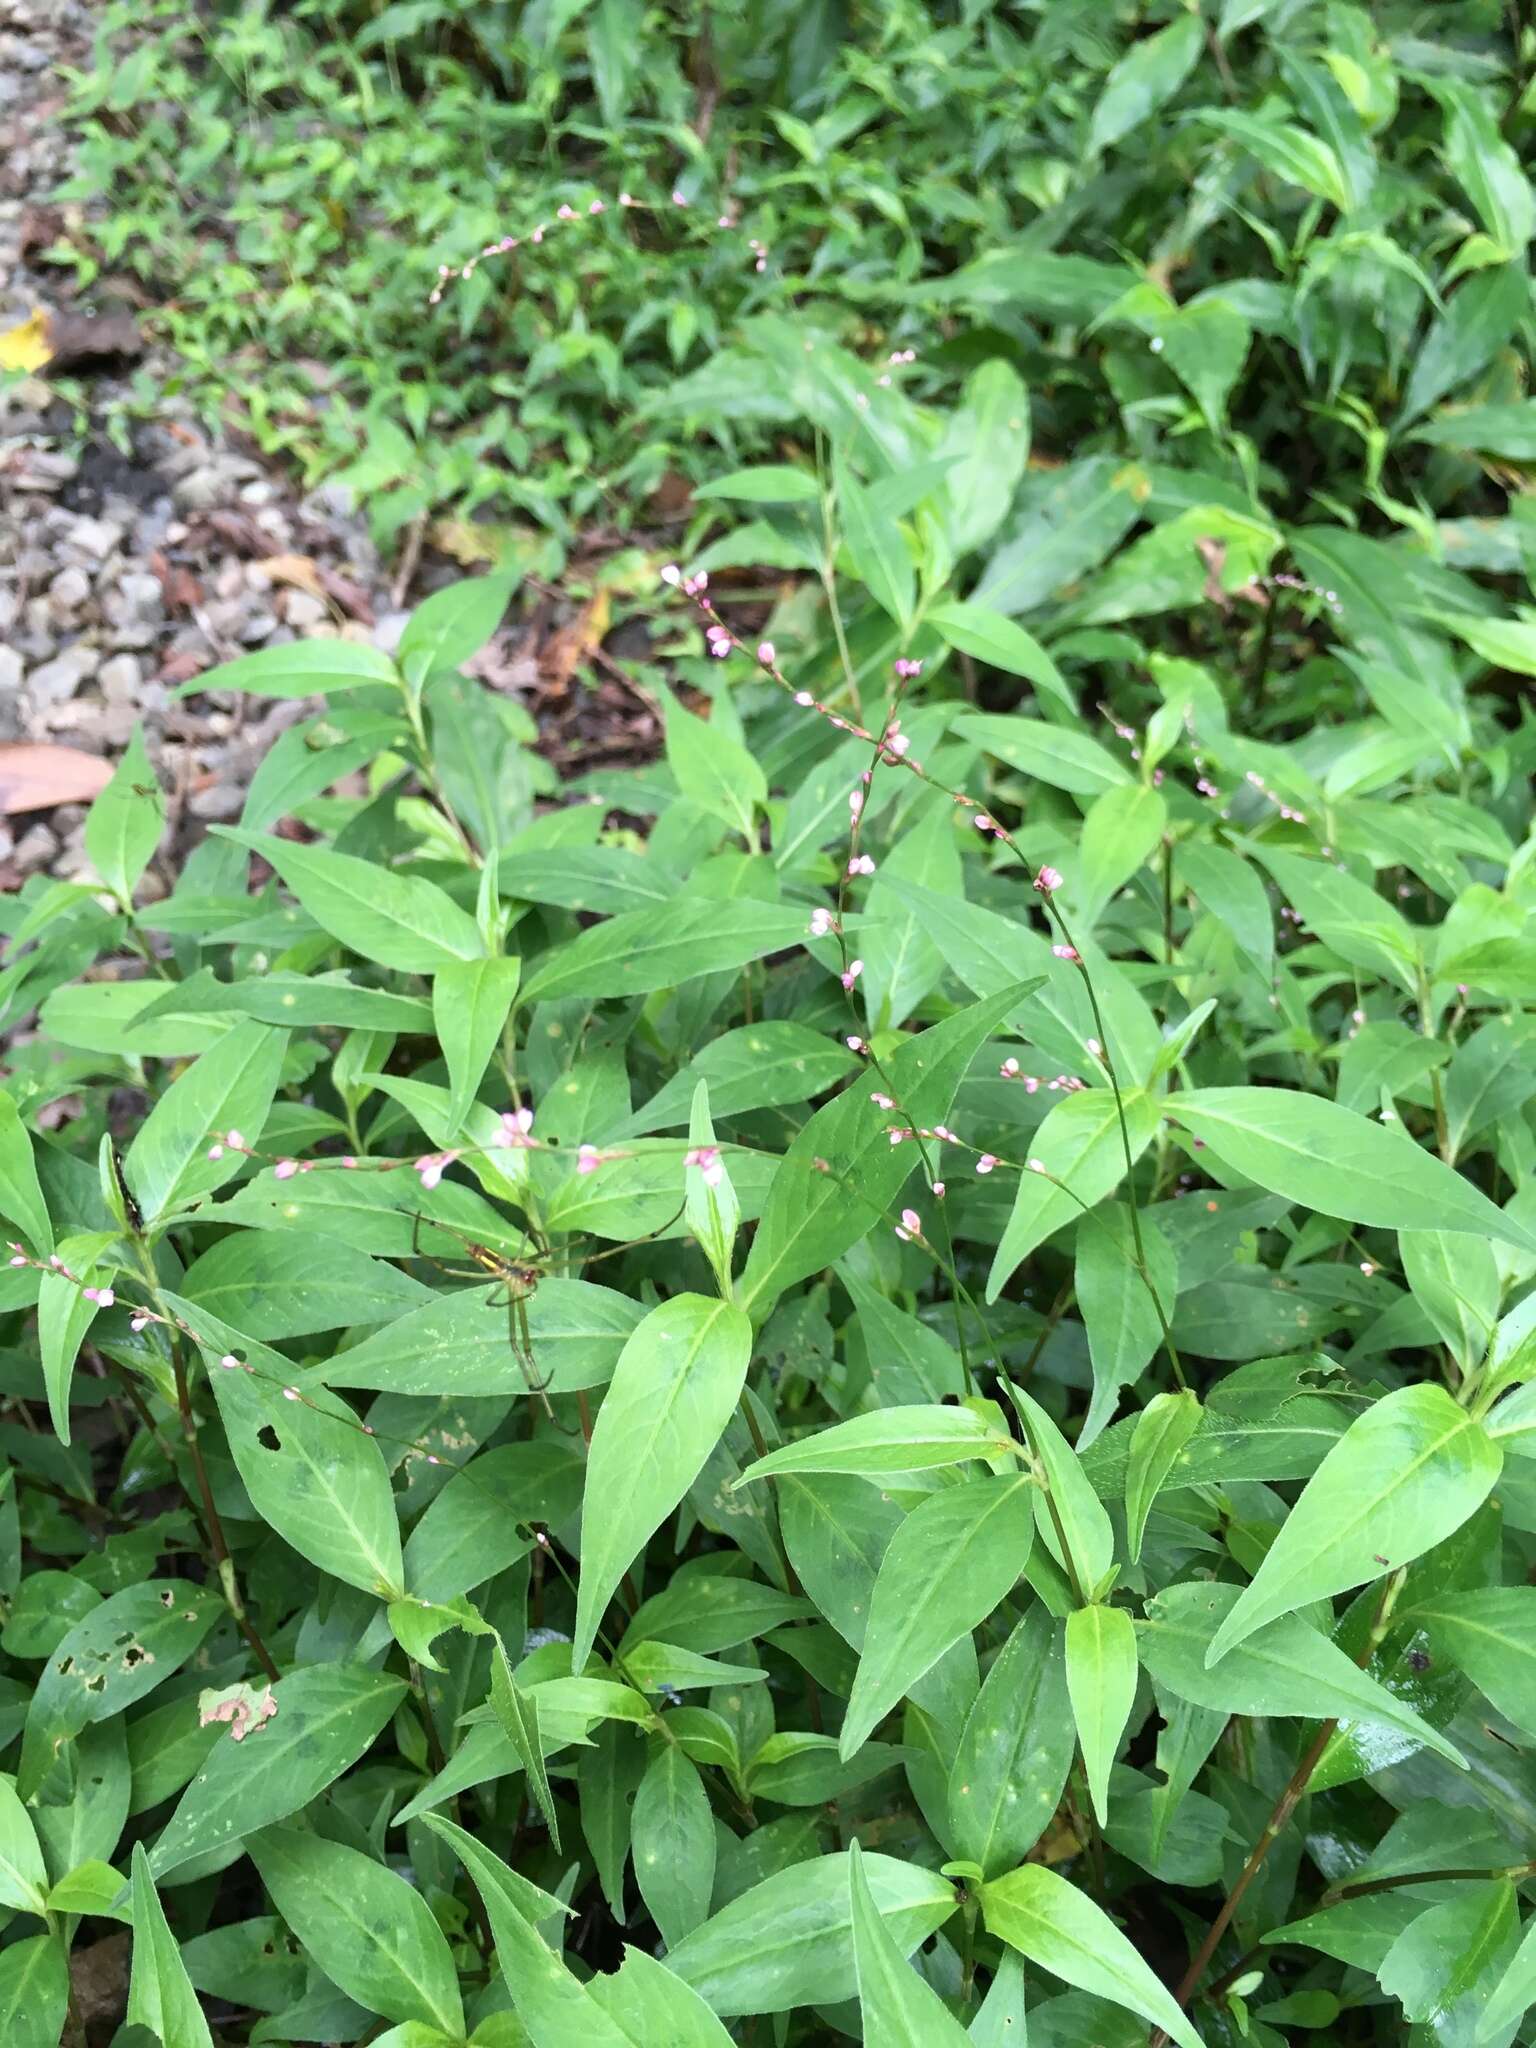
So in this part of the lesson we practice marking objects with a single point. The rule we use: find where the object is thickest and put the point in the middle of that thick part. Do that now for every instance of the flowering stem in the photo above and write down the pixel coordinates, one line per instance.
(1106, 1059)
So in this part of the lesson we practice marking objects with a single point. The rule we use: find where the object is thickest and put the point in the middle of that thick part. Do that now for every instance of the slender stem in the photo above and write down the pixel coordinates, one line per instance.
(1107, 1061)
(223, 1562)
(1517, 1872)
(1282, 1810)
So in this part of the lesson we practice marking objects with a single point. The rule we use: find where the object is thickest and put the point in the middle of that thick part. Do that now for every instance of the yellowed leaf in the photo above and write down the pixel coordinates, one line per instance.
(26, 347)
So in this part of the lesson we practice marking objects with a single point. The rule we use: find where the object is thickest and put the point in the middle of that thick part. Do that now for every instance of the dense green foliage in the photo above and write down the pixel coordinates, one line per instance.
(904, 1335)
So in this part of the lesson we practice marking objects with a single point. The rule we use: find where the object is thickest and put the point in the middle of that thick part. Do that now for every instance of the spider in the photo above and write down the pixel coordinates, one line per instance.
(518, 1277)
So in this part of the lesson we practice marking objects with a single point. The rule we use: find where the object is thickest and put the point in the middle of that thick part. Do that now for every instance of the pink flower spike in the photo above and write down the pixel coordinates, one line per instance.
(431, 1167)
(57, 1263)
(626, 199)
(565, 213)
(766, 653)
(851, 974)
(587, 1159)
(1066, 953)
(707, 1159)
(105, 1298)
(882, 1101)
(861, 864)
(215, 1151)
(982, 822)
(986, 1162)
(285, 1169)
(1009, 1069)
(348, 1160)
(672, 574)
(597, 206)
(855, 1045)
(913, 1221)
(1047, 880)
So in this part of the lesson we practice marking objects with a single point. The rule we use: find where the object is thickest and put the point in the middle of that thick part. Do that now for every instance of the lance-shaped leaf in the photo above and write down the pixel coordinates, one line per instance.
(789, 1940)
(1338, 1162)
(21, 1193)
(1101, 1681)
(673, 1391)
(907, 1439)
(1161, 1431)
(1285, 1668)
(898, 2009)
(367, 1927)
(160, 1993)
(1406, 1474)
(948, 1565)
(1052, 1923)
(1081, 1153)
(1015, 1750)
(1489, 1632)
(1074, 1514)
(326, 1716)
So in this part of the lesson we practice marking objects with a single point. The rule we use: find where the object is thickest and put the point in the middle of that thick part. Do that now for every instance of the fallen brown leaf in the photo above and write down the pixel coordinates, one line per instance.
(34, 777)
(297, 570)
(179, 588)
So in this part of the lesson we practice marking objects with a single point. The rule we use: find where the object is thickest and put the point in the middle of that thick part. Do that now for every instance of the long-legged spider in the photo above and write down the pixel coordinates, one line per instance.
(517, 1277)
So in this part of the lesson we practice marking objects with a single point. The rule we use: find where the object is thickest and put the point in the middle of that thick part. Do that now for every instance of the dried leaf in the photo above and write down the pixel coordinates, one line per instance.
(34, 777)
(26, 347)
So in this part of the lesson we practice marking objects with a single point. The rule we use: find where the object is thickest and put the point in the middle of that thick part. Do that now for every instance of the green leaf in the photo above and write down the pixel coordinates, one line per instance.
(1072, 518)
(107, 1661)
(1502, 643)
(713, 768)
(842, 1170)
(123, 825)
(1445, 1967)
(301, 668)
(1116, 1305)
(518, 1713)
(951, 1561)
(326, 1716)
(452, 624)
(21, 1194)
(672, 1393)
(397, 920)
(1405, 1475)
(1455, 1280)
(368, 1928)
(1486, 167)
(1335, 1161)
(231, 1089)
(311, 1471)
(1059, 755)
(554, 2006)
(1227, 886)
(64, 1313)
(637, 952)
(34, 1992)
(471, 1001)
(908, 1439)
(1288, 151)
(897, 2008)
(1286, 1668)
(996, 639)
(279, 1284)
(1076, 1528)
(1162, 1430)
(1101, 1682)
(160, 1993)
(1514, 1993)
(766, 483)
(1051, 1923)
(1144, 79)
(653, 2006)
(1120, 833)
(1081, 1153)
(23, 1873)
(789, 1940)
(876, 547)
(1015, 1750)
(1489, 1632)
(673, 1844)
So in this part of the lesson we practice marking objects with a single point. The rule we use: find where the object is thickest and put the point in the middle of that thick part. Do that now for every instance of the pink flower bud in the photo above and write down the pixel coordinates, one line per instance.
(1047, 880)
(986, 1162)
(766, 653)
(804, 699)
(215, 1151)
(672, 574)
(229, 1362)
(587, 1159)
(707, 1159)
(285, 1169)
(234, 1141)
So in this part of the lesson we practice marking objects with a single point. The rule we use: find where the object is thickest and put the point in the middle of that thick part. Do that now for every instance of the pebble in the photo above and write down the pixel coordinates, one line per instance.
(59, 679)
(303, 609)
(121, 679)
(96, 537)
(68, 591)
